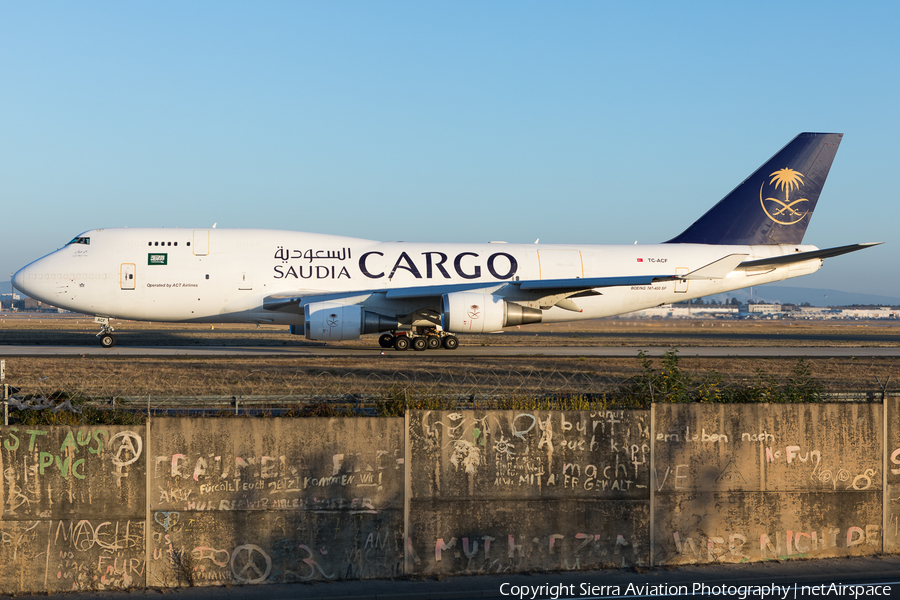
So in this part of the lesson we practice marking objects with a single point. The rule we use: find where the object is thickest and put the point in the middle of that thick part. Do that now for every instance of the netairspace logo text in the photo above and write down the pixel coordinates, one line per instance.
(743, 592)
(790, 591)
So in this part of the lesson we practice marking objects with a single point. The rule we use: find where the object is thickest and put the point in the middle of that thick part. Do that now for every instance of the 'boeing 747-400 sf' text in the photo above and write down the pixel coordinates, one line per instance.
(420, 295)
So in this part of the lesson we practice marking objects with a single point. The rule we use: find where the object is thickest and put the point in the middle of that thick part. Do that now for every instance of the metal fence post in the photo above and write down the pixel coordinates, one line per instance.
(5, 393)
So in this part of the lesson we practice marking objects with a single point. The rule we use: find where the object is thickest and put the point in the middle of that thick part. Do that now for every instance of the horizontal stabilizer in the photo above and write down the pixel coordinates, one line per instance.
(787, 259)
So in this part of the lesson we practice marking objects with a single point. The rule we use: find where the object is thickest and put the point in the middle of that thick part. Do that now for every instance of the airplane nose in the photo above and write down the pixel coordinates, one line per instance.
(19, 278)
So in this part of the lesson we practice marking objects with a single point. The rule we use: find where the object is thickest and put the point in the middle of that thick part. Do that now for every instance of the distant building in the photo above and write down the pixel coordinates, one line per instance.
(761, 311)
(870, 313)
(667, 311)
(30, 304)
(818, 312)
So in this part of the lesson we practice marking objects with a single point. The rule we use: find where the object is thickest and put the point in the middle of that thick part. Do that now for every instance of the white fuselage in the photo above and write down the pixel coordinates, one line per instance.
(224, 275)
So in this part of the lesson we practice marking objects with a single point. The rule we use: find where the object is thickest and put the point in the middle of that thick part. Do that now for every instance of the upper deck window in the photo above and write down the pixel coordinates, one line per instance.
(81, 240)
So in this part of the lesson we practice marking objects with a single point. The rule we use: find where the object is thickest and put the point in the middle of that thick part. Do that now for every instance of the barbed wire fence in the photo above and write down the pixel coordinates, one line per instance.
(159, 387)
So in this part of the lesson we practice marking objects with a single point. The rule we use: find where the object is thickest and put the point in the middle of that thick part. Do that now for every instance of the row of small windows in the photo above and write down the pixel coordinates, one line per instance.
(69, 276)
(164, 243)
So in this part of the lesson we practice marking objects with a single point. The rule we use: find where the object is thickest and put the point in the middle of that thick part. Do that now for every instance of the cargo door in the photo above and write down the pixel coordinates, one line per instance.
(200, 245)
(245, 279)
(126, 276)
(560, 264)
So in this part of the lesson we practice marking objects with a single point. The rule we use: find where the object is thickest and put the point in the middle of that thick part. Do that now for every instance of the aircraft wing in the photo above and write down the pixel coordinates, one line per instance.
(786, 259)
(548, 286)
(281, 301)
(572, 285)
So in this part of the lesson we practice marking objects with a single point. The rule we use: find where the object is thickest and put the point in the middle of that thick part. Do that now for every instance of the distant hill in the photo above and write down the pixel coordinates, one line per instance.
(780, 294)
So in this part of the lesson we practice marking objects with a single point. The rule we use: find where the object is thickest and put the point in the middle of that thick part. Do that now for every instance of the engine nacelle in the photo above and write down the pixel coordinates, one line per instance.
(470, 312)
(333, 322)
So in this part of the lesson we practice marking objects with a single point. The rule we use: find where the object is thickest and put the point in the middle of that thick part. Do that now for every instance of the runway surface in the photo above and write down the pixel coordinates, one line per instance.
(463, 351)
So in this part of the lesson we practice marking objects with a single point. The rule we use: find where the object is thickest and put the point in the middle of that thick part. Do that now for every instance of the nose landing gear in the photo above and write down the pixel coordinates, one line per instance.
(107, 339)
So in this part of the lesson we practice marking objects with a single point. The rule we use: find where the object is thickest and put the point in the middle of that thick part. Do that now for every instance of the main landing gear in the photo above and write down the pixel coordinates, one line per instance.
(431, 340)
(107, 339)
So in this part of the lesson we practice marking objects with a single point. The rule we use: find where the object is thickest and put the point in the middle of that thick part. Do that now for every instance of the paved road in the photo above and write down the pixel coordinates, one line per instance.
(885, 571)
(463, 351)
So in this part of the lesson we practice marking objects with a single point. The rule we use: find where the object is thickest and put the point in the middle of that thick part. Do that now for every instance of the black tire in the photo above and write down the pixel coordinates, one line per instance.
(107, 340)
(433, 342)
(401, 342)
(451, 342)
(419, 344)
(386, 340)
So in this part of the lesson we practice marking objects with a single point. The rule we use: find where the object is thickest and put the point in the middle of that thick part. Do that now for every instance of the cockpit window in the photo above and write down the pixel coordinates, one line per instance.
(81, 240)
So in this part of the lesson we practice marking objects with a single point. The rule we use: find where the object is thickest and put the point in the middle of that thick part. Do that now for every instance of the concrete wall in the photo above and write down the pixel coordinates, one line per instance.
(756, 482)
(247, 501)
(275, 500)
(892, 471)
(71, 508)
(496, 491)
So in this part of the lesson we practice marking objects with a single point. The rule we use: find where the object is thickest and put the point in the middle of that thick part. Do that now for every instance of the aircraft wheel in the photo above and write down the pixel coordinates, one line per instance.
(107, 340)
(433, 342)
(451, 342)
(386, 340)
(401, 342)
(419, 344)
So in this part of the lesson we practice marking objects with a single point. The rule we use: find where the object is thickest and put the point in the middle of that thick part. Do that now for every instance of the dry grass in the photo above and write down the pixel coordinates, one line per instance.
(433, 372)
(275, 377)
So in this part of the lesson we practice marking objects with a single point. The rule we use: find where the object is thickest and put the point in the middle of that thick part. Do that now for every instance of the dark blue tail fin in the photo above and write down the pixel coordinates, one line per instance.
(774, 205)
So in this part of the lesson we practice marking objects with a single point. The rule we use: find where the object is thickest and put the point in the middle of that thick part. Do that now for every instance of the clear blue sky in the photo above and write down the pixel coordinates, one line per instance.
(581, 122)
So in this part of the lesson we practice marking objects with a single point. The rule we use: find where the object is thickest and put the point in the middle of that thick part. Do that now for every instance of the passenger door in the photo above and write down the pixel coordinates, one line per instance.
(126, 276)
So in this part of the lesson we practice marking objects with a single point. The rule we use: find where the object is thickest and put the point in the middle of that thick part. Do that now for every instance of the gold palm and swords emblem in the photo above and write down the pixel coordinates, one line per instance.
(785, 180)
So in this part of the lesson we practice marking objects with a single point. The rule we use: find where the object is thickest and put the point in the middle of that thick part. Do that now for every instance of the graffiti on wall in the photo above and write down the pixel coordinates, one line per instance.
(750, 544)
(50, 474)
(757, 482)
(275, 549)
(768, 447)
(541, 473)
(71, 555)
(43, 469)
(283, 500)
(574, 454)
(511, 553)
(322, 499)
(892, 475)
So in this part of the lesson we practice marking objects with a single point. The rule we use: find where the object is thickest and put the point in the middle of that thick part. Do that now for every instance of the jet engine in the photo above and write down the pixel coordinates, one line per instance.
(333, 322)
(470, 312)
